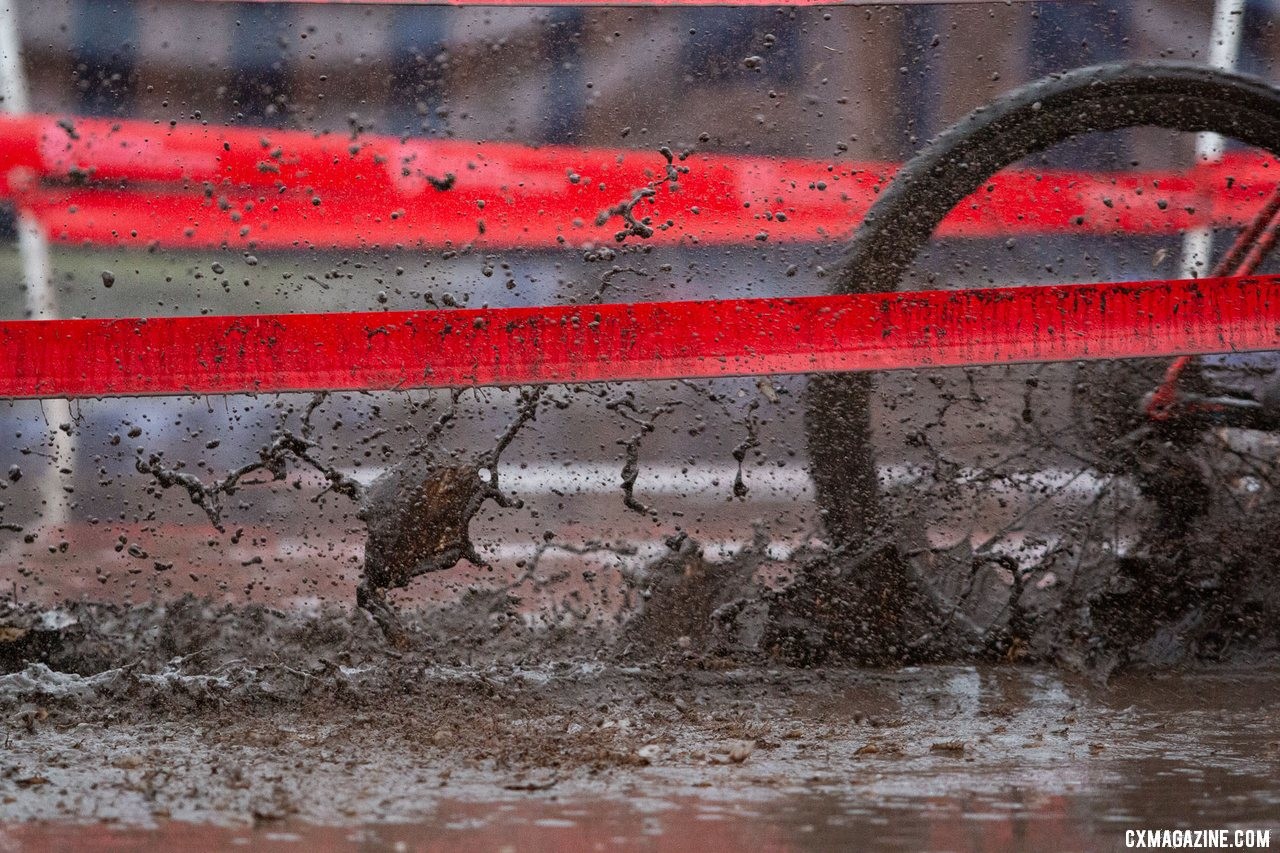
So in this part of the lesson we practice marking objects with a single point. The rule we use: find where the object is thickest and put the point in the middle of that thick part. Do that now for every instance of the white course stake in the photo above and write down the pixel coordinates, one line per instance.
(33, 248)
(1224, 54)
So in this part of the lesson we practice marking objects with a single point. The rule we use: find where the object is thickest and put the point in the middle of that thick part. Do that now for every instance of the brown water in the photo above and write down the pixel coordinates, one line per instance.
(942, 758)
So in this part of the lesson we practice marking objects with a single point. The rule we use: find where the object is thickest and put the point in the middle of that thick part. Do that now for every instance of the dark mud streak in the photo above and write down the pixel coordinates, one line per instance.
(272, 459)
(646, 421)
(643, 228)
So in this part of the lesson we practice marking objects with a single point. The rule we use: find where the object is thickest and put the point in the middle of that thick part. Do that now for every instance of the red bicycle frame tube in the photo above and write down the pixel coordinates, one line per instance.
(1250, 248)
(613, 342)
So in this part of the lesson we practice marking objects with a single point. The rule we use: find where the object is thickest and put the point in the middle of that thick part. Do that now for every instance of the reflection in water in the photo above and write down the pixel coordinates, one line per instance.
(1016, 820)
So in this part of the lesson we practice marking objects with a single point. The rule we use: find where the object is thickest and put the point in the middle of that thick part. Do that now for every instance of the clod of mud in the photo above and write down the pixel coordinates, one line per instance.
(871, 610)
(866, 610)
(692, 608)
(418, 515)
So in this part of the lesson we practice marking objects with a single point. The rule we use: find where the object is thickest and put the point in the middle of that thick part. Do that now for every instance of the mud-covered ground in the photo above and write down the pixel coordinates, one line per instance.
(586, 754)
(485, 731)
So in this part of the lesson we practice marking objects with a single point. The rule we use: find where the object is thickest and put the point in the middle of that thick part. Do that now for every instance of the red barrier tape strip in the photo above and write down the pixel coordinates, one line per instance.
(134, 183)
(740, 337)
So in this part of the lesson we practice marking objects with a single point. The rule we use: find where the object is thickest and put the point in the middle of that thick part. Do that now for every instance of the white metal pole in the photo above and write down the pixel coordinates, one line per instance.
(1224, 53)
(33, 249)
(13, 84)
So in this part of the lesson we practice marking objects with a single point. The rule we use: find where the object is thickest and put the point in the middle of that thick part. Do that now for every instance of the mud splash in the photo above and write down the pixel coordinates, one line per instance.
(891, 597)
(730, 680)
(1200, 602)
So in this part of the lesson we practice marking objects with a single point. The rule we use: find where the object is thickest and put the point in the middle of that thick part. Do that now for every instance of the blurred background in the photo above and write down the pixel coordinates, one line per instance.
(797, 81)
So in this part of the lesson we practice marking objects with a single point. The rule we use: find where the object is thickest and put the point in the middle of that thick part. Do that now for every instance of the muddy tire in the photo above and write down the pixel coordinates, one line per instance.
(1025, 122)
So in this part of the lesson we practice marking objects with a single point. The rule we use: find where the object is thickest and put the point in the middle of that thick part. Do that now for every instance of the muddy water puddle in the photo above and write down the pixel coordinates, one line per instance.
(604, 757)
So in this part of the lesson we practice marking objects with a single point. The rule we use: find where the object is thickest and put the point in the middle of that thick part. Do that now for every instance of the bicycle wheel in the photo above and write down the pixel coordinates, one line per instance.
(1079, 476)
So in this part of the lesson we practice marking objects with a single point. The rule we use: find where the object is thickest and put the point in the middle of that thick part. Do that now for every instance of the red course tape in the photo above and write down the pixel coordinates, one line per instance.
(660, 340)
(133, 183)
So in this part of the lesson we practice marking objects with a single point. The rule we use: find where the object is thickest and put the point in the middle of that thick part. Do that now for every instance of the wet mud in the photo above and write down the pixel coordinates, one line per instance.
(250, 717)
(744, 676)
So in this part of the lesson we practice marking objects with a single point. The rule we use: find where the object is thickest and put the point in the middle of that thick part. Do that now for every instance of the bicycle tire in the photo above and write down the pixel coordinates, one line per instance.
(1026, 121)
